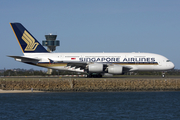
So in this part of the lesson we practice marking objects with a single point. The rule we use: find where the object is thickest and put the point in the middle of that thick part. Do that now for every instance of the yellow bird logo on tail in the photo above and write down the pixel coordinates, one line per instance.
(30, 41)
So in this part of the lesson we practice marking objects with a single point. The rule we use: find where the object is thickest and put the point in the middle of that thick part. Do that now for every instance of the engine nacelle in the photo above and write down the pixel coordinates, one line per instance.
(95, 68)
(117, 69)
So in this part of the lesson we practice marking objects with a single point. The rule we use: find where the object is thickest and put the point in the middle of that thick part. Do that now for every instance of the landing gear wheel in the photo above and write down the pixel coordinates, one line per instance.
(89, 75)
(99, 76)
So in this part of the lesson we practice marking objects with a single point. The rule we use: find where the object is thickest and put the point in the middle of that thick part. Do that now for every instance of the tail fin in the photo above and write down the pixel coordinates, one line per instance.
(27, 42)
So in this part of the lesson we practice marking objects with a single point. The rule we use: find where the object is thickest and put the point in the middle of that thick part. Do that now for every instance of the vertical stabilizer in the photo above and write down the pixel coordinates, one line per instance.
(27, 42)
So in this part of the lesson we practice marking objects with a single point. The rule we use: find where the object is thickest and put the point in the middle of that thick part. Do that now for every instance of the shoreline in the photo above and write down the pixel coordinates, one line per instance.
(19, 91)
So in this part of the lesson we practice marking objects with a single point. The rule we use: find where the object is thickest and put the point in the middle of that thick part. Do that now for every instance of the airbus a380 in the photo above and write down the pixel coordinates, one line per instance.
(94, 64)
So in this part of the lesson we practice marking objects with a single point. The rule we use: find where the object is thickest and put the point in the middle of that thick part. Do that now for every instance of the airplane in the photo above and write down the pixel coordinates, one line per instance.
(93, 64)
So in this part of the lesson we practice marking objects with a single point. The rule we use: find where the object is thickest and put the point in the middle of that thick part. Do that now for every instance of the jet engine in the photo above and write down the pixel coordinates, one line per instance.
(95, 68)
(116, 69)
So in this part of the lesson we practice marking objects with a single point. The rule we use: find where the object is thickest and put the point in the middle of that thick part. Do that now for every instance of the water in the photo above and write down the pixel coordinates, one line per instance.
(90, 105)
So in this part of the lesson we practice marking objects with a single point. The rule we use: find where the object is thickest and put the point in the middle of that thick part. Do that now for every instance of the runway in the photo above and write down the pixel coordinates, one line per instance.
(107, 77)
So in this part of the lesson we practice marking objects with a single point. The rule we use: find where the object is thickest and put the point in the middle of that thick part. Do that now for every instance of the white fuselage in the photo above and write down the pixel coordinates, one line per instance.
(135, 61)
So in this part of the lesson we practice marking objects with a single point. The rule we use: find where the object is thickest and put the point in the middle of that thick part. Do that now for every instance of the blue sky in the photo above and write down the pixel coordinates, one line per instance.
(94, 26)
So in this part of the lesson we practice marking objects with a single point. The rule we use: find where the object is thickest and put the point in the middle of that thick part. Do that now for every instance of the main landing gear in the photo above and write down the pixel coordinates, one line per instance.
(94, 75)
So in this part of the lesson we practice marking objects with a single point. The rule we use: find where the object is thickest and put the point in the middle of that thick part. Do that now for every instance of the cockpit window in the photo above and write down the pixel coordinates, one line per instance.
(167, 60)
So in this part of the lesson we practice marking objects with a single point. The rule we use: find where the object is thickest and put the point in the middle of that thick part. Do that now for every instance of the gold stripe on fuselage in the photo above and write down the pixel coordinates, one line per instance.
(51, 65)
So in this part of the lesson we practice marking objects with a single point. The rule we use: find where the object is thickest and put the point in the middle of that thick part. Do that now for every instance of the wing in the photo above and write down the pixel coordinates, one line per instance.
(81, 65)
(72, 64)
(84, 65)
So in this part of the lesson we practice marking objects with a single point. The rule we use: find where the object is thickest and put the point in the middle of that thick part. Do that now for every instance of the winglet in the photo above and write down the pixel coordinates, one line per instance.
(26, 41)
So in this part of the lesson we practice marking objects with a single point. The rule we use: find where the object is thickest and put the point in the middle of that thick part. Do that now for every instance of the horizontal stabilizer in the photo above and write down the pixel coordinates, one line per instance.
(20, 58)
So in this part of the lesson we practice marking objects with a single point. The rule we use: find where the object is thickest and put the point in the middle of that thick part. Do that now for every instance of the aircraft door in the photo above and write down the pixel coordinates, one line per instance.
(160, 62)
(82, 56)
(61, 57)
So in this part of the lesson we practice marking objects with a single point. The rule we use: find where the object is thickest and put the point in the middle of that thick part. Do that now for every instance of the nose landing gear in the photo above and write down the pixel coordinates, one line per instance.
(163, 74)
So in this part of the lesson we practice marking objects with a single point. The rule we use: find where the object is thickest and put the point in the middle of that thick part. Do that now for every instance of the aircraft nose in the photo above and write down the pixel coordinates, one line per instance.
(172, 65)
